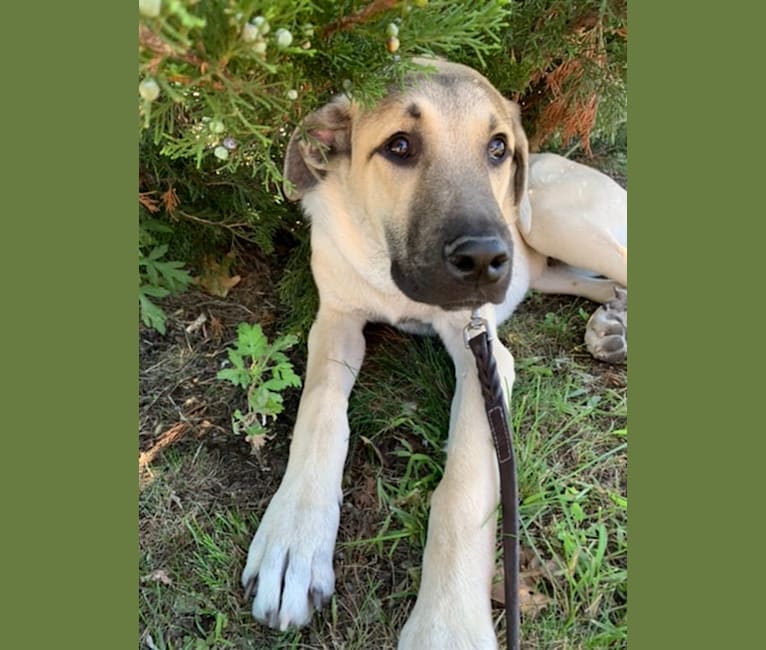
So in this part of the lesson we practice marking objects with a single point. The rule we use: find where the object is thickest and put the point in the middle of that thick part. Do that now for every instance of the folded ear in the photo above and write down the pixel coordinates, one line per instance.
(323, 134)
(521, 170)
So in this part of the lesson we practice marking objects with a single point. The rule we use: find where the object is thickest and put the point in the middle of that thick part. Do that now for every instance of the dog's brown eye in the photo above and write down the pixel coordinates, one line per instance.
(399, 146)
(497, 149)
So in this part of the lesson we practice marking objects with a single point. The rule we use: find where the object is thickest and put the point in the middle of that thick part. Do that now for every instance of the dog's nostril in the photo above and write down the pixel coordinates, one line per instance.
(463, 263)
(499, 261)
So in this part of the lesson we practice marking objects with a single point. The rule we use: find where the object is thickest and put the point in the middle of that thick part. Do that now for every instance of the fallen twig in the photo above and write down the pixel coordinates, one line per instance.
(170, 436)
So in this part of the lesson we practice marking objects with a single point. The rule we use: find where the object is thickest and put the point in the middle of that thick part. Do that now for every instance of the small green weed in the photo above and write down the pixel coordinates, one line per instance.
(264, 371)
(158, 278)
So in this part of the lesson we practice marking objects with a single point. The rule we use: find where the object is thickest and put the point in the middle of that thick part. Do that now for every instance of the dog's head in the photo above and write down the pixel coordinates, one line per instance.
(436, 170)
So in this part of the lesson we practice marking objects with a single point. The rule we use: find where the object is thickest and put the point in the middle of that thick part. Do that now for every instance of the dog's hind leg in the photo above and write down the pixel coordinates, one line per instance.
(606, 333)
(290, 561)
(453, 608)
(578, 215)
(562, 278)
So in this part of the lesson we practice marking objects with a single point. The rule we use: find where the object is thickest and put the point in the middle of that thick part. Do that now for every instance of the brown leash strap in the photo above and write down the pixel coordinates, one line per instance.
(477, 339)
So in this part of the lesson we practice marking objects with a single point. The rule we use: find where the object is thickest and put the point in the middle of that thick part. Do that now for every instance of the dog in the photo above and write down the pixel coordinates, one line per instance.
(422, 209)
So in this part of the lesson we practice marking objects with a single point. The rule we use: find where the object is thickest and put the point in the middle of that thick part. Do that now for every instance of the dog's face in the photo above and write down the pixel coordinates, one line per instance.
(436, 172)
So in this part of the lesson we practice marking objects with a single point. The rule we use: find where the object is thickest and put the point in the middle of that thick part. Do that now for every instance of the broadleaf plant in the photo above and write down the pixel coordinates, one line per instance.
(264, 371)
(158, 278)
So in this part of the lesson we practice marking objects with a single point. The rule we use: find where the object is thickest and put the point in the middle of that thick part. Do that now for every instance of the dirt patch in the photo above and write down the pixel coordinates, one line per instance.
(177, 379)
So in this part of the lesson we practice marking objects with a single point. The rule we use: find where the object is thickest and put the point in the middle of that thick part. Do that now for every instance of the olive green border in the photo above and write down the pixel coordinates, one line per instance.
(69, 242)
(69, 323)
(694, 454)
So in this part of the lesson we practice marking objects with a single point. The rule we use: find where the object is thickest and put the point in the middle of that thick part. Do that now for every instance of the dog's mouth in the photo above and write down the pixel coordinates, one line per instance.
(434, 286)
(474, 300)
(465, 304)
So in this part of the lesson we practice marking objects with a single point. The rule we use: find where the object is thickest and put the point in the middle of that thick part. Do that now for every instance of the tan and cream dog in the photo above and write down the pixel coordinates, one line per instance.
(423, 208)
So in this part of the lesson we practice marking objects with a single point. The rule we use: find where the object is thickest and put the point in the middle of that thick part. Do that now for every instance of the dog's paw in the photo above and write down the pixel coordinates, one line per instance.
(289, 570)
(606, 334)
(428, 630)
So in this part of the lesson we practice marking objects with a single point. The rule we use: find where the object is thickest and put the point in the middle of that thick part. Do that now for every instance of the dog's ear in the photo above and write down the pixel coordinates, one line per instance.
(323, 134)
(520, 169)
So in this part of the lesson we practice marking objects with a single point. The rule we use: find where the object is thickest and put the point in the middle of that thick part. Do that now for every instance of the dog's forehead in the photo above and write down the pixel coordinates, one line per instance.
(452, 97)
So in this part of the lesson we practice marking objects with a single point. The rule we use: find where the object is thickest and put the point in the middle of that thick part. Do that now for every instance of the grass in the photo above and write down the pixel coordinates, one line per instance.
(570, 420)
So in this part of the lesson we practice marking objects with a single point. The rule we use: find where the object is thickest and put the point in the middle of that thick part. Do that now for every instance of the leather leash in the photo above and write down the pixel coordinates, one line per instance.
(476, 336)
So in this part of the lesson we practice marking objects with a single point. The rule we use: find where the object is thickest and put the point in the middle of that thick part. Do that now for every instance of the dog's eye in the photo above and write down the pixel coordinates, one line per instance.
(497, 149)
(399, 146)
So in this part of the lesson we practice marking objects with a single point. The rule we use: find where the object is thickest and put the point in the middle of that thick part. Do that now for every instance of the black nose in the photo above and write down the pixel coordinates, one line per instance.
(478, 260)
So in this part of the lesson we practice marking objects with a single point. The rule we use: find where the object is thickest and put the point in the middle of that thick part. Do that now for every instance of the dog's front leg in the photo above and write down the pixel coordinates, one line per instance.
(290, 562)
(453, 608)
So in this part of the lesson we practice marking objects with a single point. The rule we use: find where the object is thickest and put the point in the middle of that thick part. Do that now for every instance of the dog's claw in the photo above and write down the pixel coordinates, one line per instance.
(272, 618)
(318, 598)
(250, 587)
